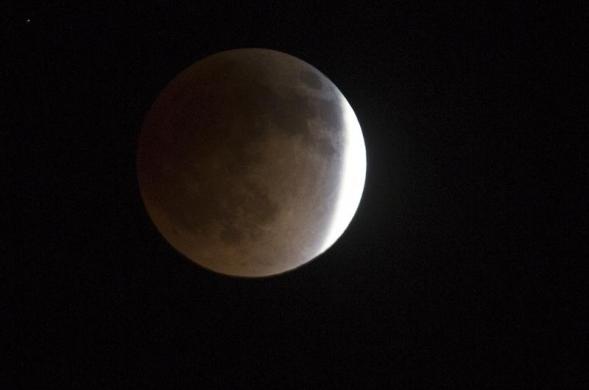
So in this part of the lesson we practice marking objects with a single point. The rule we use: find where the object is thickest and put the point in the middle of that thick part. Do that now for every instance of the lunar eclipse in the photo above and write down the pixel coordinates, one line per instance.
(251, 162)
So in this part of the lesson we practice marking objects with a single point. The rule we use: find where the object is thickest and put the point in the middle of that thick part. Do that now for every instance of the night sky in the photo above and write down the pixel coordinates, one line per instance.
(463, 264)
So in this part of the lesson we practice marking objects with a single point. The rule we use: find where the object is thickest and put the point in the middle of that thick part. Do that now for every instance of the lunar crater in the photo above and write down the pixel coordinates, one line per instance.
(311, 79)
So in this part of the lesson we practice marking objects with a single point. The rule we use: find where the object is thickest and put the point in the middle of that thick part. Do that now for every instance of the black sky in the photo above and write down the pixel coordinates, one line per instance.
(462, 265)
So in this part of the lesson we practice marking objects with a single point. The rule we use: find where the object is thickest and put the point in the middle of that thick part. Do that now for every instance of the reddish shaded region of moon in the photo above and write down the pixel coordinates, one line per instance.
(251, 162)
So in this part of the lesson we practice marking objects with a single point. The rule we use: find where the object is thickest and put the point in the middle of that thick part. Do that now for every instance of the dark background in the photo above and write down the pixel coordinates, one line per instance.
(463, 264)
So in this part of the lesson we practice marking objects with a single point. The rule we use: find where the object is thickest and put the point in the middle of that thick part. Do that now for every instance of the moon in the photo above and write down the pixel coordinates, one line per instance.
(251, 162)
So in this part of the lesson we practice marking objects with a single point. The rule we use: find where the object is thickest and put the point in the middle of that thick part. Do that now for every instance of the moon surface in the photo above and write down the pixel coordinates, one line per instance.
(251, 162)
